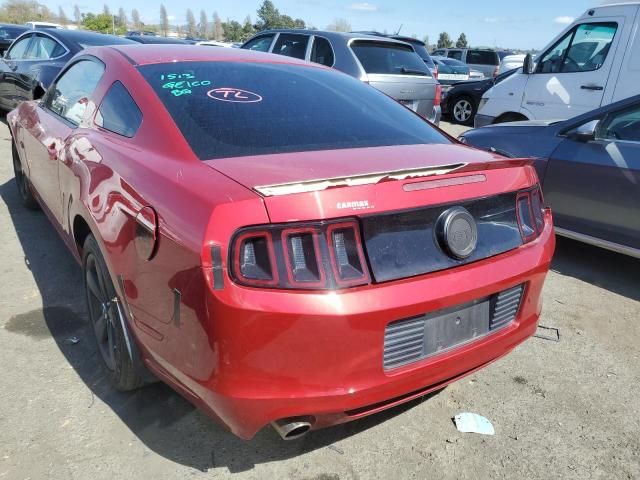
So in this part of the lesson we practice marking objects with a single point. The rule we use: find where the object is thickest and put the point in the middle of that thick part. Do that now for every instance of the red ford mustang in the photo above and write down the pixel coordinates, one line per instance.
(276, 240)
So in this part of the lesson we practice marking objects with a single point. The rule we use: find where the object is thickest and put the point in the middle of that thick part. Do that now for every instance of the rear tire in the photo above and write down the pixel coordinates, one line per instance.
(22, 182)
(106, 316)
(463, 109)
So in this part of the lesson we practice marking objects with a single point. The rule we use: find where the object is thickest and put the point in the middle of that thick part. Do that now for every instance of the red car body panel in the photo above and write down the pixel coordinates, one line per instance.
(249, 356)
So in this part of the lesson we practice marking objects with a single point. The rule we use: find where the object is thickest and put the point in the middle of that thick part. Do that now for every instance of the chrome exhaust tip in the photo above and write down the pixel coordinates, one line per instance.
(292, 428)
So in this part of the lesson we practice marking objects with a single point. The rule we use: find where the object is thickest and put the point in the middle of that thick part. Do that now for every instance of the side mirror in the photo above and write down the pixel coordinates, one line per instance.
(527, 66)
(38, 92)
(585, 132)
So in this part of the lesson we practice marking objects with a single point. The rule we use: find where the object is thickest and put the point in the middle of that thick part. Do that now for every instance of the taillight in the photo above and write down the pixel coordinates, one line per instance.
(319, 256)
(496, 71)
(254, 259)
(530, 213)
(435, 72)
(438, 97)
(302, 257)
(347, 257)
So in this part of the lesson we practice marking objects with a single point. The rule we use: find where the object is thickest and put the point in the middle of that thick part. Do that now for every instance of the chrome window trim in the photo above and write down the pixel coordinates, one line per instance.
(598, 242)
(35, 34)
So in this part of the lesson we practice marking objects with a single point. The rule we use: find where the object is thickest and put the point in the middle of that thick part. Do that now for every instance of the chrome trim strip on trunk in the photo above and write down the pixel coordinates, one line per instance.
(362, 179)
(598, 242)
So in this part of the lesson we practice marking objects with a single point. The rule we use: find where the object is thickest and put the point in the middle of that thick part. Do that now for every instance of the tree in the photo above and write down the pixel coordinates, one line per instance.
(268, 16)
(191, 24)
(164, 21)
(98, 23)
(339, 25)
(122, 18)
(218, 31)
(21, 11)
(76, 14)
(247, 29)
(135, 19)
(62, 17)
(462, 41)
(232, 31)
(444, 41)
(105, 10)
(203, 27)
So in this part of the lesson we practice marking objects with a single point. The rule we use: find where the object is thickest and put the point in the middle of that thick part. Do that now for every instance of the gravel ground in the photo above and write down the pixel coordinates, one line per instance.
(566, 409)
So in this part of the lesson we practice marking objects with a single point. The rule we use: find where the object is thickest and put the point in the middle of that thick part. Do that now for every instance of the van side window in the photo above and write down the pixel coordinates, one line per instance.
(582, 49)
(455, 54)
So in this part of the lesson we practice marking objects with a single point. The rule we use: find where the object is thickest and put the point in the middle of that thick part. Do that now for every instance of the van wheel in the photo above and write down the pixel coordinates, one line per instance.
(463, 110)
(106, 315)
(22, 182)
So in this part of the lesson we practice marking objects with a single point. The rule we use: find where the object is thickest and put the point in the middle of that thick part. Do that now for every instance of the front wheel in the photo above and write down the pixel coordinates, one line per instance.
(463, 110)
(107, 319)
(22, 182)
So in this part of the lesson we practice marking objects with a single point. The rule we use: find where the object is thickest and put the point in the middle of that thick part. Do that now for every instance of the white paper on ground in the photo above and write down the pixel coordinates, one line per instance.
(473, 423)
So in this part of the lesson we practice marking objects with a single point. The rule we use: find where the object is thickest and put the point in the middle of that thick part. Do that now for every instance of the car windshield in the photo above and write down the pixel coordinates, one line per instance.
(227, 109)
(389, 58)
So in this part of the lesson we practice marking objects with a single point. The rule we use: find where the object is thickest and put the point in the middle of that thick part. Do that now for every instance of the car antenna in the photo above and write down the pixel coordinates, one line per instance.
(399, 28)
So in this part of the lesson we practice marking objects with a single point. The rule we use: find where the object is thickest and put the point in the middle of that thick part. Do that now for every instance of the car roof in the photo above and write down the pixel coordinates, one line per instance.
(79, 37)
(329, 34)
(146, 54)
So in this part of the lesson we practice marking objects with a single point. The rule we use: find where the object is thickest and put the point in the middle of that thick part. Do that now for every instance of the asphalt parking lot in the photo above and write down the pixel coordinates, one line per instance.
(566, 409)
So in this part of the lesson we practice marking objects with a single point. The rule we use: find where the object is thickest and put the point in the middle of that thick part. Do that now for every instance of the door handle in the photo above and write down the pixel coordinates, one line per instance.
(591, 87)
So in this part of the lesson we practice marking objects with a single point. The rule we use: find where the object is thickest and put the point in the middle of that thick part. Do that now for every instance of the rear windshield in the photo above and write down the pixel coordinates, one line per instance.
(421, 50)
(482, 57)
(389, 58)
(234, 109)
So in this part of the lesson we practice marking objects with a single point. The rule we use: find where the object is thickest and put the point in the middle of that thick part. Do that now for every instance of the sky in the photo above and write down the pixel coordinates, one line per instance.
(503, 23)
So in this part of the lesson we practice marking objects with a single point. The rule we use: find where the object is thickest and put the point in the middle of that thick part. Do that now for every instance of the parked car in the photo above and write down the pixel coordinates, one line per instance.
(461, 100)
(36, 57)
(137, 33)
(44, 25)
(590, 64)
(158, 40)
(510, 62)
(276, 240)
(386, 64)
(214, 43)
(8, 33)
(486, 61)
(451, 71)
(590, 169)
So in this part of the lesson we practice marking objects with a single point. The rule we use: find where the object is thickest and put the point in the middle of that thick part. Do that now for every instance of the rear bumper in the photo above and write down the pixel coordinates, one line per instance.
(286, 354)
(482, 120)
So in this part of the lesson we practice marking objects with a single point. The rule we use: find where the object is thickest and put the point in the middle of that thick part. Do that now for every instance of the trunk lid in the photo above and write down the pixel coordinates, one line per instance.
(339, 183)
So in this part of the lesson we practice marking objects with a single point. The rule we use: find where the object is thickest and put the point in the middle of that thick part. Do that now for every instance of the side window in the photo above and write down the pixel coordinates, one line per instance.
(321, 52)
(291, 45)
(583, 49)
(118, 112)
(71, 93)
(260, 44)
(44, 48)
(622, 125)
(456, 54)
(482, 57)
(19, 49)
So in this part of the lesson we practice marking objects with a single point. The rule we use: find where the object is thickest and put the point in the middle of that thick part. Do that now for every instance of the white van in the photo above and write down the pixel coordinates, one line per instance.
(593, 62)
